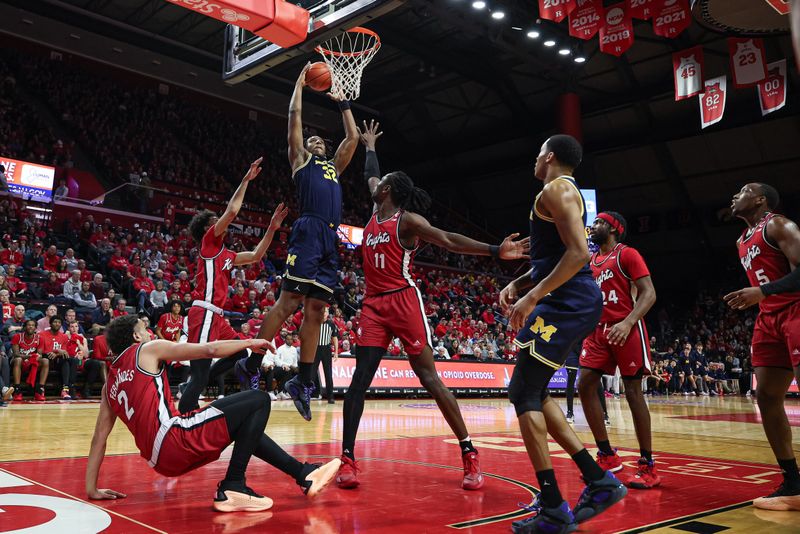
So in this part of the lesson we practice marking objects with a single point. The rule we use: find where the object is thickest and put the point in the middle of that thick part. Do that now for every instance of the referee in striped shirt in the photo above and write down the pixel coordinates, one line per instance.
(327, 352)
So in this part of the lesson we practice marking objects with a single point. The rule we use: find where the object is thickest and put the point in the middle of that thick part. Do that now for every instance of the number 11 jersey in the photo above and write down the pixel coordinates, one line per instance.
(387, 263)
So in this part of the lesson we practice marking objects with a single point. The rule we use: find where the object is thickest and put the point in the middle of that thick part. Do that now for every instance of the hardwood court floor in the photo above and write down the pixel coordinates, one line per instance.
(711, 452)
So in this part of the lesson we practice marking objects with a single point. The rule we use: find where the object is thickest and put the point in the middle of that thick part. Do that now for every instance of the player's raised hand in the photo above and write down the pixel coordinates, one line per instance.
(301, 79)
(744, 298)
(254, 170)
(508, 296)
(105, 495)
(336, 94)
(261, 345)
(370, 134)
(515, 250)
(281, 211)
(521, 310)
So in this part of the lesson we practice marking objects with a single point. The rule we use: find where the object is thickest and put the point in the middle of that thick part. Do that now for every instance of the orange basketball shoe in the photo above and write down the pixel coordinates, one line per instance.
(609, 462)
(473, 477)
(347, 477)
(242, 499)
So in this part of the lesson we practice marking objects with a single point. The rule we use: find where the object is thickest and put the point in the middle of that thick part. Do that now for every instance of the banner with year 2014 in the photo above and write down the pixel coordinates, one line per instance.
(395, 376)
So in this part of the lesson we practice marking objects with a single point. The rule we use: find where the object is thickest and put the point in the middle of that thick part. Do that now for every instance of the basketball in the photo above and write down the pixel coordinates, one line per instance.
(318, 77)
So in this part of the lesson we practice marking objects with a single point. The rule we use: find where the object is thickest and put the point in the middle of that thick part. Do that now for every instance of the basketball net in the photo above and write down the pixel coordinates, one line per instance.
(346, 56)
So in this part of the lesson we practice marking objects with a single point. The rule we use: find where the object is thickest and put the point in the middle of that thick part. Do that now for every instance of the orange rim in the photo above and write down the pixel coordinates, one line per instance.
(358, 29)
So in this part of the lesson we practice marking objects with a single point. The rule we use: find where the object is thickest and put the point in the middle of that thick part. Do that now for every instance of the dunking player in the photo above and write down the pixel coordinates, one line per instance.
(562, 307)
(770, 253)
(205, 321)
(173, 444)
(393, 305)
(619, 340)
(313, 255)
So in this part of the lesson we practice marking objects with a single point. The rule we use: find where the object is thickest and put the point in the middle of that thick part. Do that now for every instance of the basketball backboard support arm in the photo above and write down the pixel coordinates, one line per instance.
(247, 55)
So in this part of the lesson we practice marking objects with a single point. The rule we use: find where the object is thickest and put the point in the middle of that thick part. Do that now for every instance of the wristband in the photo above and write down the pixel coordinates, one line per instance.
(494, 251)
(344, 105)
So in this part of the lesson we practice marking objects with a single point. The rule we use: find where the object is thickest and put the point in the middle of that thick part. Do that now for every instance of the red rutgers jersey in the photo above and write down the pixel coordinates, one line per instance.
(52, 342)
(213, 270)
(27, 346)
(764, 262)
(387, 263)
(170, 327)
(614, 273)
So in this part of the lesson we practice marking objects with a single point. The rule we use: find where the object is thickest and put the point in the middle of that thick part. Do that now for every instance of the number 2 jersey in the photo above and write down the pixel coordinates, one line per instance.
(614, 273)
(387, 263)
(764, 262)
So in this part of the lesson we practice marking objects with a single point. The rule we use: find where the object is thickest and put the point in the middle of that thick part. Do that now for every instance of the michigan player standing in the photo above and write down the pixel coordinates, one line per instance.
(770, 252)
(393, 307)
(619, 340)
(313, 254)
(205, 321)
(562, 306)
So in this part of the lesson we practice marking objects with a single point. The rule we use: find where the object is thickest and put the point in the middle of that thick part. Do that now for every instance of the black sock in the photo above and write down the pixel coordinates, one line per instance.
(466, 446)
(349, 453)
(305, 370)
(791, 475)
(589, 468)
(550, 496)
(605, 447)
(647, 455)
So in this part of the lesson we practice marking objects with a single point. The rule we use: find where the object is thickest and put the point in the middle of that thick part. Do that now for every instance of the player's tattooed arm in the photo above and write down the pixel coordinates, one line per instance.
(154, 352)
(297, 150)
(97, 451)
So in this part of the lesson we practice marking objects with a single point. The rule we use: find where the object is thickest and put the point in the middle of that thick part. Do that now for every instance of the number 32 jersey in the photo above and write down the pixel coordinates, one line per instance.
(387, 263)
(614, 273)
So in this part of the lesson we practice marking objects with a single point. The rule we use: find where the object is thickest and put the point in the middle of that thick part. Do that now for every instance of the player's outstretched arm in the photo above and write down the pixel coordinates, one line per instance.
(297, 150)
(97, 451)
(348, 146)
(159, 350)
(786, 234)
(372, 170)
(417, 225)
(255, 255)
(235, 203)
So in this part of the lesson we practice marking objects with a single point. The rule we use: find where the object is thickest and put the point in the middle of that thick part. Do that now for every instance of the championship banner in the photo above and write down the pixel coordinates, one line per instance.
(748, 61)
(772, 90)
(641, 9)
(397, 377)
(687, 68)
(556, 10)
(616, 32)
(712, 101)
(671, 17)
(29, 179)
(585, 20)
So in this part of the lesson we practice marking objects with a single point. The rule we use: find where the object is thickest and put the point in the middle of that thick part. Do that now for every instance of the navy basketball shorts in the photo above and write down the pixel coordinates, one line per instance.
(312, 259)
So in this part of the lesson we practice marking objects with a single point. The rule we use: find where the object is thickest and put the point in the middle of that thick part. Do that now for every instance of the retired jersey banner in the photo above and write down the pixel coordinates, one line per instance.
(772, 90)
(585, 20)
(671, 17)
(641, 9)
(712, 101)
(556, 10)
(748, 60)
(687, 67)
(616, 32)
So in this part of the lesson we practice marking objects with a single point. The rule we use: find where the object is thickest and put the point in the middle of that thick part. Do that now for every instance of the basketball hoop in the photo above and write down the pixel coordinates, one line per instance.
(346, 56)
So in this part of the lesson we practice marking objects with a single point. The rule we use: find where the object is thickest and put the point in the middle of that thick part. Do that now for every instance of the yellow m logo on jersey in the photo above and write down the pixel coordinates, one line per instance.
(544, 331)
(290, 259)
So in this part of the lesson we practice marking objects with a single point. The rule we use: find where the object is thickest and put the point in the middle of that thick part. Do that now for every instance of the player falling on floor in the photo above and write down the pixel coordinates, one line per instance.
(563, 306)
(393, 307)
(205, 320)
(769, 251)
(313, 255)
(173, 444)
(619, 340)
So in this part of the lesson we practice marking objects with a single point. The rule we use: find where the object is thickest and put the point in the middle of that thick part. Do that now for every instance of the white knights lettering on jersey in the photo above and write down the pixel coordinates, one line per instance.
(122, 377)
(747, 259)
(607, 274)
(374, 241)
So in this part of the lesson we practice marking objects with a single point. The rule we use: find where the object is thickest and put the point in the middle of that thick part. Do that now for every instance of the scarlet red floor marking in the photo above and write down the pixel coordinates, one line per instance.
(408, 485)
(739, 417)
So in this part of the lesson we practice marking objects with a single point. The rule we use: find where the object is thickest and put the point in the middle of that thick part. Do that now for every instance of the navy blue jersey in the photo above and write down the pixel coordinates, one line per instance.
(546, 245)
(319, 191)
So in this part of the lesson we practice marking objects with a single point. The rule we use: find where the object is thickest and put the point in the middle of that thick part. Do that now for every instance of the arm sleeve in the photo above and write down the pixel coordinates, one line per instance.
(788, 284)
(633, 264)
(371, 167)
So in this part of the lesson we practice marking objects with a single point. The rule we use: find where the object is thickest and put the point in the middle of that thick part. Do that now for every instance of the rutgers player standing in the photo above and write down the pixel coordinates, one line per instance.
(770, 252)
(137, 392)
(619, 340)
(205, 320)
(393, 305)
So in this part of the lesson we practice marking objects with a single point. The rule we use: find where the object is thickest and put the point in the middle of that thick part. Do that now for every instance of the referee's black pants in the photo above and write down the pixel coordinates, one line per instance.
(325, 357)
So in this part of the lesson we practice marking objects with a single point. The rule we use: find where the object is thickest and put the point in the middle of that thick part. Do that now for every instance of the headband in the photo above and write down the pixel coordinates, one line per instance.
(615, 223)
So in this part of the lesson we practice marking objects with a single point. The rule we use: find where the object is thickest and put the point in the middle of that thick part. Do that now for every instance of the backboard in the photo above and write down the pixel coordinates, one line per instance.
(247, 55)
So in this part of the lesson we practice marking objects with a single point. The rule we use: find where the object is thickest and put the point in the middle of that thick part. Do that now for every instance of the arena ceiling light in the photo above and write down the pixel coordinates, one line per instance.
(479, 4)
(579, 59)
(533, 34)
(498, 15)
(549, 43)
(564, 51)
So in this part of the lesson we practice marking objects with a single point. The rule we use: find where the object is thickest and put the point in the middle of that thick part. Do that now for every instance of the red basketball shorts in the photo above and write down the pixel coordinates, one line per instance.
(397, 314)
(632, 358)
(205, 325)
(776, 338)
(195, 439)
